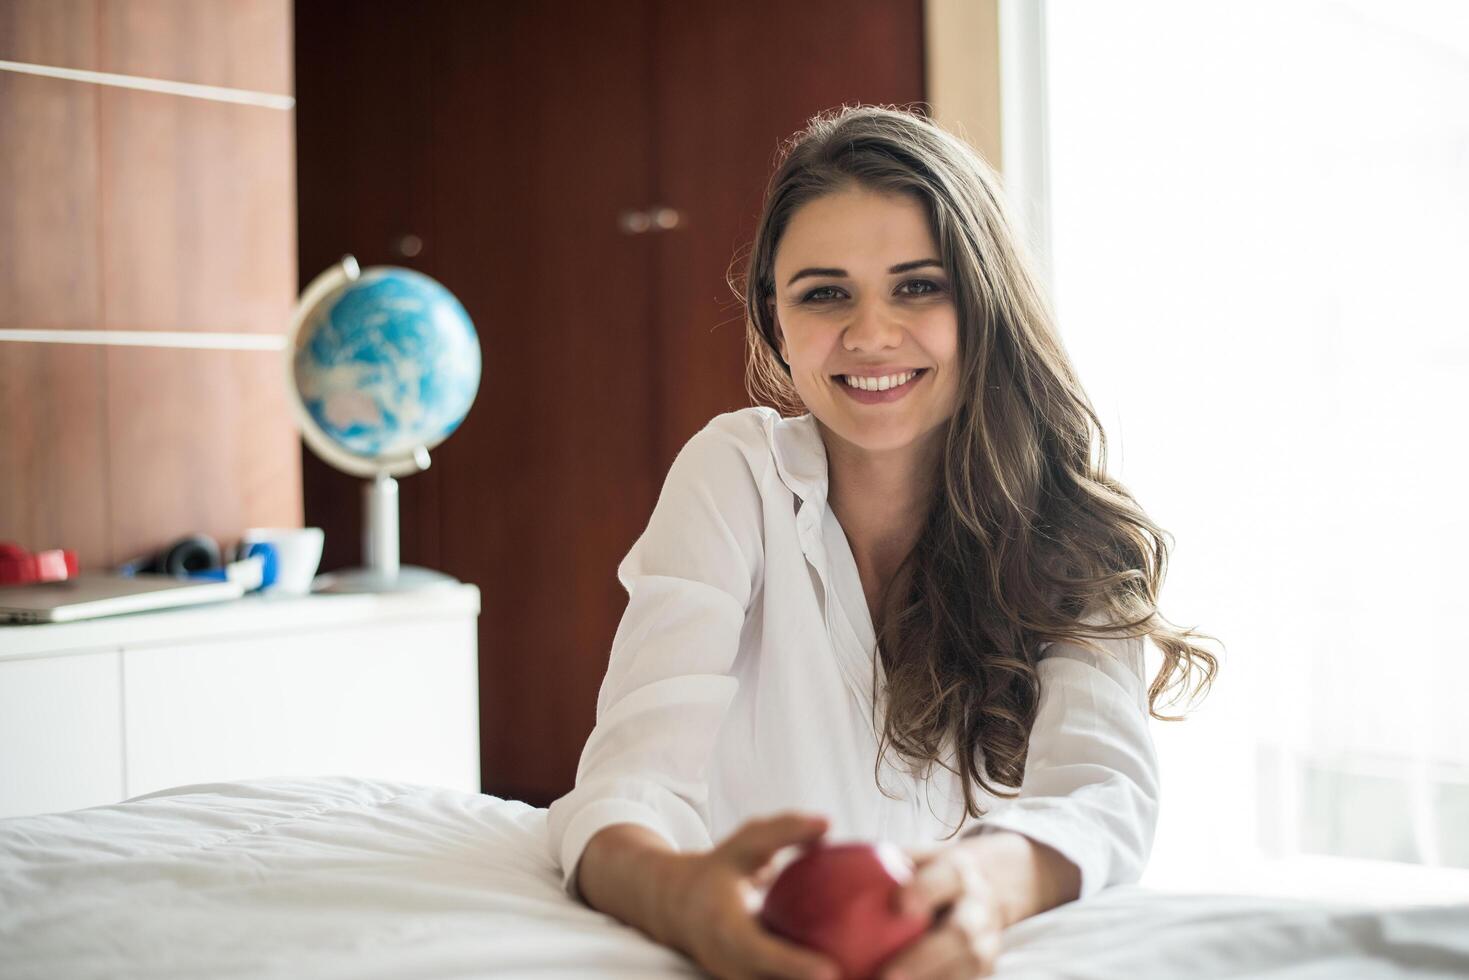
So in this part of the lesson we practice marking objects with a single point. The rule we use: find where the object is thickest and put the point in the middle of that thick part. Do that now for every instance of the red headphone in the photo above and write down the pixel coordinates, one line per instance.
(18, 566)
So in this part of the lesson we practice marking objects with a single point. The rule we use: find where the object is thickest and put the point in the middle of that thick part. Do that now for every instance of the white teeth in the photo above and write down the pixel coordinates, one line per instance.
(879, 384)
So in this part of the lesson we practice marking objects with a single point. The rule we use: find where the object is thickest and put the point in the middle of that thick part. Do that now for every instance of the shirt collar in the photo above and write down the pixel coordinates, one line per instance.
(800, 458)
(801, 464)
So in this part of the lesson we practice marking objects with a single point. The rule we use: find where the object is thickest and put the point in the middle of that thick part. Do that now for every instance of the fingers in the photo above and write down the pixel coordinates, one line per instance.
(755, 843)
(766, 876)
(932, 956)
(966, 946)
(936, 883)
(739, 947)
(922, 852)
(777, 958)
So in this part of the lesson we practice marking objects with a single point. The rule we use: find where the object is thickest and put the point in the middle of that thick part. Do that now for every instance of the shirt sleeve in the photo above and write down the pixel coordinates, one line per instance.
(690, 578)
(1091, 786)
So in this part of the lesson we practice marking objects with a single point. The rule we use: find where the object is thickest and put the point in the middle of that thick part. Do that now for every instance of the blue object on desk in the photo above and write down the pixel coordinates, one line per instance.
(272, 558)
(269, 564)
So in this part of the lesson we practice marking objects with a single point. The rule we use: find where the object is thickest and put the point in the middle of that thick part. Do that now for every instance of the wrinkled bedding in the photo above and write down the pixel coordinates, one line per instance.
(340, 877)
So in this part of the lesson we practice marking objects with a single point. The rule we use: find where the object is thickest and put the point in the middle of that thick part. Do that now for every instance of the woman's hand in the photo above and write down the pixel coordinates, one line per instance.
(965, 939)
(713, 906)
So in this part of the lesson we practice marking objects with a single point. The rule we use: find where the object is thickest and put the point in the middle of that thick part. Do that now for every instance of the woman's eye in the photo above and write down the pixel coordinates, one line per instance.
(928, 286)
(912, 287)
(815, 295)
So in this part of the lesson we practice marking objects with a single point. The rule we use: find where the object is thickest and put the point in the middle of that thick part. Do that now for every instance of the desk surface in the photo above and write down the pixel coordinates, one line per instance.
(251, 615)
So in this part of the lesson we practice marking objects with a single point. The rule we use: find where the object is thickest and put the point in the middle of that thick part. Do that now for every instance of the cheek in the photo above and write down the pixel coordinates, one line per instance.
(940, 335)
(809, 346)
(949, 323)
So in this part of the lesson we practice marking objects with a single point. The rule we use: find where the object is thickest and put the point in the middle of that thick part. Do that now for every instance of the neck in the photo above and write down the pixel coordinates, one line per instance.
(881, 497)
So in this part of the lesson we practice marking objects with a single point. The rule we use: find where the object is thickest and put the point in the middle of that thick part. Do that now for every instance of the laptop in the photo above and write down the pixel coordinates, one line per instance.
(90, 596)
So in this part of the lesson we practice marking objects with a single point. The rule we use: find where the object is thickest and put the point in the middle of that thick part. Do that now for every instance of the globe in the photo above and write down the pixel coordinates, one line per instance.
(383, 365)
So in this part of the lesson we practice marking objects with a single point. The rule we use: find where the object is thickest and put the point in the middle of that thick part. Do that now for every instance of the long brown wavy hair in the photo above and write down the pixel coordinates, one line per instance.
(1026, 535)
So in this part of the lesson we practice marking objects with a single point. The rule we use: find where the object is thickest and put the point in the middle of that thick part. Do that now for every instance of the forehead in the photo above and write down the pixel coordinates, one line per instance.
(854, 228)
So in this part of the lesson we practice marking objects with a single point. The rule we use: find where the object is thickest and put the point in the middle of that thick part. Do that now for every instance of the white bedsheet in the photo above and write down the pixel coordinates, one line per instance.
(359, 879)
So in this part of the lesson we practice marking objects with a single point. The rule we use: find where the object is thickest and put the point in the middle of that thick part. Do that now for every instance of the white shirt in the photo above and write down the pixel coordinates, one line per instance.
(740, 684)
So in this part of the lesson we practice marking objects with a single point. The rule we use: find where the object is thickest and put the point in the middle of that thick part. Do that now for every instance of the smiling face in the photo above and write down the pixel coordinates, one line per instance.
(860, 290)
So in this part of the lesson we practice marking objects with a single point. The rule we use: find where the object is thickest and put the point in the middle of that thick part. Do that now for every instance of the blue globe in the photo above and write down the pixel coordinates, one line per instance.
(386, 363)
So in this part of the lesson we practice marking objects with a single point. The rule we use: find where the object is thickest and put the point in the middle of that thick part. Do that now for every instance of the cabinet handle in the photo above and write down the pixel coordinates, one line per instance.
(666, 218)
(634, 222)
(659, 218)
(407, 246)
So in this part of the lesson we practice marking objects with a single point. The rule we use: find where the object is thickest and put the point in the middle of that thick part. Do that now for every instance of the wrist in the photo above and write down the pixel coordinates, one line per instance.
(631, 873)
(668, 897)
(1025, 876)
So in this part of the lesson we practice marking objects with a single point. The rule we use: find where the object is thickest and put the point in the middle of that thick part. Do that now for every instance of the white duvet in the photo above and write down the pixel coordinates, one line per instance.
(359, 879)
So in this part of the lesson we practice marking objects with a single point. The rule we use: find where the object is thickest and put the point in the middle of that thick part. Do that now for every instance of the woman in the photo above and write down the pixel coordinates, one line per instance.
(825, 605)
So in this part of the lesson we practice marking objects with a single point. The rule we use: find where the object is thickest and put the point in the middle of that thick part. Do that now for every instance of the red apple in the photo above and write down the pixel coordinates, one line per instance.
(840, 899)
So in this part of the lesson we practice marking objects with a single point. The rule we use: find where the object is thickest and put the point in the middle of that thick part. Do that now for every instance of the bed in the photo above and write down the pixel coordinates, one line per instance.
(350, 878)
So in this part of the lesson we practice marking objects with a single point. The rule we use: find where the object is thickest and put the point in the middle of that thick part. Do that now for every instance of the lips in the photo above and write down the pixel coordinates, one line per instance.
(917, 373)
(862, 396)
(873, 373)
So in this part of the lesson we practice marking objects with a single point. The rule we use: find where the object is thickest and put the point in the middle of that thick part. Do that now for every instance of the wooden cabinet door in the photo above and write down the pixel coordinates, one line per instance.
(542, 117)
(508, 137)
(511, 138)
(734, 80)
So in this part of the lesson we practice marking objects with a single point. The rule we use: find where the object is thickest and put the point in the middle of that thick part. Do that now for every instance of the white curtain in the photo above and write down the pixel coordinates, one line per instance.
(1258, 247)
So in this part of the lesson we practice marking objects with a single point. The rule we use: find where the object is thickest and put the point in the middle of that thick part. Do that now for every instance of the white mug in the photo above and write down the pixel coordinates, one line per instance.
(298, 552)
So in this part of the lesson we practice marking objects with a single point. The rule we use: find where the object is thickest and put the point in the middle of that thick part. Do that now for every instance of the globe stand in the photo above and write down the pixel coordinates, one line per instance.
(380, 550)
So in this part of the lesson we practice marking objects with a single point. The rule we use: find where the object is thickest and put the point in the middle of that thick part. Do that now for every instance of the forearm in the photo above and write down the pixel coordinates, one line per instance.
(628, 872)
(1028, 877)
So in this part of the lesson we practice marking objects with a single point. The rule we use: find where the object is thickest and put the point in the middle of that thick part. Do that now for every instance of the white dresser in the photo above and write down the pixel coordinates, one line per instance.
(378, 686)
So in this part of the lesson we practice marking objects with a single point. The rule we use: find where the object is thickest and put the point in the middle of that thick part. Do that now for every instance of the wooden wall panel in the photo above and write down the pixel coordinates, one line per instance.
(52, 448)
(49, 32)
(52, 403)
(208, 42)
(144, 211)
(198, 441)
(198, 222)
(49, 263)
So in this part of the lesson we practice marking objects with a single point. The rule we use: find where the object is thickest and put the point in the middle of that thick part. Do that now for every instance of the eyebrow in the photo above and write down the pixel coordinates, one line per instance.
(841, 273)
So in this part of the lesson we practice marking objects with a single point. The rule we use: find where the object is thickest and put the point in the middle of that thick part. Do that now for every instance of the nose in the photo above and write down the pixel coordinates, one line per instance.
(872, 329)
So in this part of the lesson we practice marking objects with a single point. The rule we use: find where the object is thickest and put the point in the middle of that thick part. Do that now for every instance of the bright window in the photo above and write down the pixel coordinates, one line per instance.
(1258, 247)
